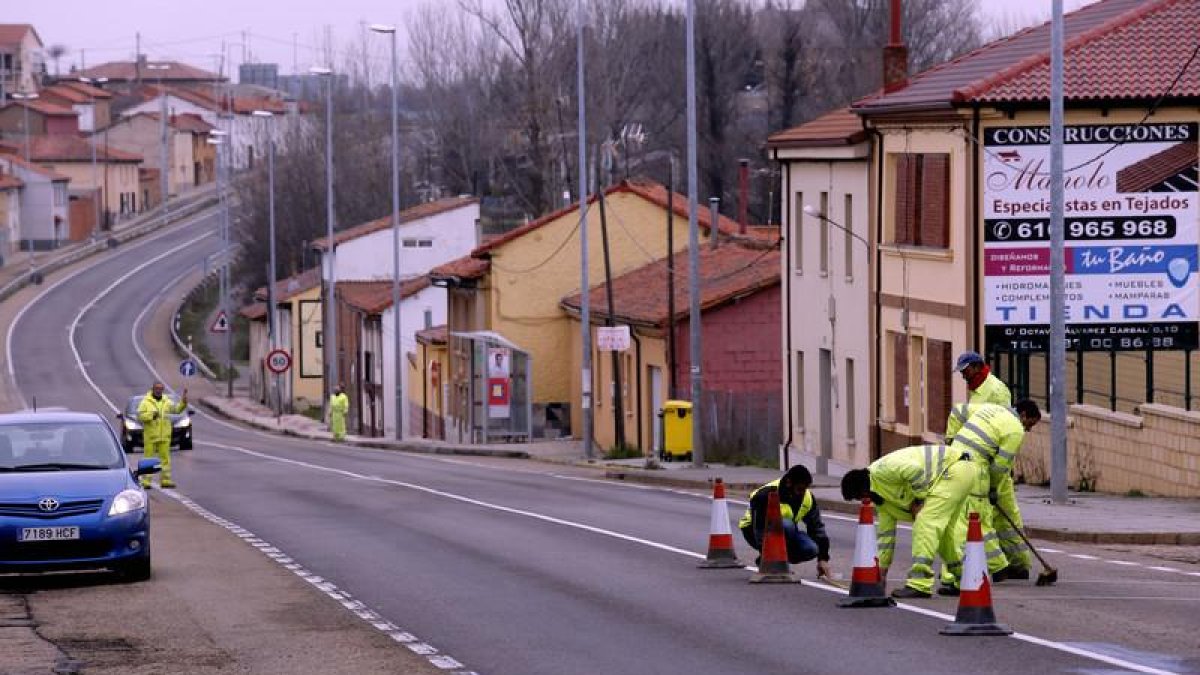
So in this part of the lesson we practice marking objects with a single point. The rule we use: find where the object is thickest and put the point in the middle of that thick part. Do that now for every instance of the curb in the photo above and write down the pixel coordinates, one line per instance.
(378, 445)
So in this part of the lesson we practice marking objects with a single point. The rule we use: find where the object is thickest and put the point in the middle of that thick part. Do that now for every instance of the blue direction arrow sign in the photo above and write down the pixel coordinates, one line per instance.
(187, 368)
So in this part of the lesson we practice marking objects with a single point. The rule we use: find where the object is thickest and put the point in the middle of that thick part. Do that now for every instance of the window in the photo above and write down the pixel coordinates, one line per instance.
(60, 194)
(850, 402)
(848, 223)
(824, 225)
(900, 377)
(418, 243)
(428, 318)
(798, 233)
(799, 388)
(922, 200)
(937, 404)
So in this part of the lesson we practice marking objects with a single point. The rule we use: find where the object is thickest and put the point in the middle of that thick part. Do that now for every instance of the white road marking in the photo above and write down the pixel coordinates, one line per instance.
(1164, 569)
(1123, 562)
(658, 546)
(1049, 550)
(1083, 556)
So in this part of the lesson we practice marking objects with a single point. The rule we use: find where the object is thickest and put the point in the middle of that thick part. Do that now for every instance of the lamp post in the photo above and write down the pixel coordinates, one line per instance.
(328, 314)
(165, 156)
(95, 177)
(219, 139)
(398, 348)
(272, 320)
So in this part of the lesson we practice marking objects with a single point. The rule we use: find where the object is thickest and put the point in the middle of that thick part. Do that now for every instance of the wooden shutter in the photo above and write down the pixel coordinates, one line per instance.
(906, 199)
(937, 397)
(900, 377)
(934, 200)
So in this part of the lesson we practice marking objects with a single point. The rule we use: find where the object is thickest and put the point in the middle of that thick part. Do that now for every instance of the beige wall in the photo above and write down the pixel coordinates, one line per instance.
(1153, 452)
(10, 221)
(142, 135)
(307, 358)
(116, 179)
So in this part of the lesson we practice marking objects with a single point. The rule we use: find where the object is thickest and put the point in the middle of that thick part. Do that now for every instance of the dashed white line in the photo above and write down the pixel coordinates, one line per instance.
(1083, 556)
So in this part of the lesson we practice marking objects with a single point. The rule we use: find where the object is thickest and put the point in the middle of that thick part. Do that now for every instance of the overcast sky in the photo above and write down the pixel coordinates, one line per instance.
(266, 29)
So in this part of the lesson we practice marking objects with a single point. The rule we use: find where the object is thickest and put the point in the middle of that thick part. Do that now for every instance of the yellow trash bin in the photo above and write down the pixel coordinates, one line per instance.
(677, 429)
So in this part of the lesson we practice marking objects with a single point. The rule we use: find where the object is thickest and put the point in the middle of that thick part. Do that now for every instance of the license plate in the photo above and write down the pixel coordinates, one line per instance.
(48, 533)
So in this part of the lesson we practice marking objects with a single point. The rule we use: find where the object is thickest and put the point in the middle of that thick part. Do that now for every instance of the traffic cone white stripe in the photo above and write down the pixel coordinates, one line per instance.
(865, 552)
(974, 567)
(720, 518)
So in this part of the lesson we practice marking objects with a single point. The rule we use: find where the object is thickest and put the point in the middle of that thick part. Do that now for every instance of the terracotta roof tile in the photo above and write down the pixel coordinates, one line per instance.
(286, 289)
(188, 122)
(14, 33)
(69, 148)
(646, 189)
(9, 182)
(127, 70)
(45, 107)
(418, 212)
(85, 88)
(9, 153)
(1160, 168)
(466, 267)
(731, 271)
(255, 311)
(373, 297)
(66, 93)
(840, 127)
(972, 75)
(437, 335)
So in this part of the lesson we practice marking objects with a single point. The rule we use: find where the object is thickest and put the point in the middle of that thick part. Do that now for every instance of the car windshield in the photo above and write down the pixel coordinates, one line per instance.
(58, 446)
(131, 407)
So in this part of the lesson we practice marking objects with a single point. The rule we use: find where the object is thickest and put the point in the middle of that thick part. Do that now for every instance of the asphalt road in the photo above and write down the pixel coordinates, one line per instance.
(517, 568)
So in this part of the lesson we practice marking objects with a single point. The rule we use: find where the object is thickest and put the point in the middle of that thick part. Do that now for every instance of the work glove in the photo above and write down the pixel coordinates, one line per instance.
(993, 497)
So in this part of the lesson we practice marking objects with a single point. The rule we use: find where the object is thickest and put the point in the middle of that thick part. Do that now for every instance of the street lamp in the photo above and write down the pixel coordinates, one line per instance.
(218, 139)
(328, 314)
(25, 122)
(95, 178)
(272, 329)
(165, 159)
(399, 353)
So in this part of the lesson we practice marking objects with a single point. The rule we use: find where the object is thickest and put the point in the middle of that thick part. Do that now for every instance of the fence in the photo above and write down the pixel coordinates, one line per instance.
(1117, 380)
(741, 428)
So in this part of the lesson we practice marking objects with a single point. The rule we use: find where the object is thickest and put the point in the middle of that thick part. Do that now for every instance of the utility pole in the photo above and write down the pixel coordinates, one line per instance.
(695, 354)
(585, 308)
(673, 387)
(1058, 320)
(611, 321)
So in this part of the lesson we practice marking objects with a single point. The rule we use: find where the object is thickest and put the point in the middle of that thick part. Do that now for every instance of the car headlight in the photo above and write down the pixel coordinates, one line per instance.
(184, 422)
(127, 501)
(131, 425)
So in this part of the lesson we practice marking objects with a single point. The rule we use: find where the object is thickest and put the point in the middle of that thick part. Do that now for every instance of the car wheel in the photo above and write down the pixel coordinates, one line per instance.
(185, 444)
(138, 570)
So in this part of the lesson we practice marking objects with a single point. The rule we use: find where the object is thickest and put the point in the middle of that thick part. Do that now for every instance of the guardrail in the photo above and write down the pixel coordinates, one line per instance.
(154, 221)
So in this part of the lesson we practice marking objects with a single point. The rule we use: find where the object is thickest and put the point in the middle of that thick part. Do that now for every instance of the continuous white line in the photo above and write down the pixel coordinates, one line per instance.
(662, 547)
(1083, 556)
(108, 289)
(8, 341)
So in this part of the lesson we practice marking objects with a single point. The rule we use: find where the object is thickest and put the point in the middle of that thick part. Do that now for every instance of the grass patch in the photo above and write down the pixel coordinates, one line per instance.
(1135, 493)
(623, 452)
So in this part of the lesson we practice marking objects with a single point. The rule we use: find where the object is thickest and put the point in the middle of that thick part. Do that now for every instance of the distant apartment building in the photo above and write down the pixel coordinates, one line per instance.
(21, 61)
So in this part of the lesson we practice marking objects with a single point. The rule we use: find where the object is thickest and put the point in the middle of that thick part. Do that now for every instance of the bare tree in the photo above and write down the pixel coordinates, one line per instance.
(56, 52)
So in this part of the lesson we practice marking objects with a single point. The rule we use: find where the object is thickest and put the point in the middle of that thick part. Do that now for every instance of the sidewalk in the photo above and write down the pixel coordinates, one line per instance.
(1088, 517)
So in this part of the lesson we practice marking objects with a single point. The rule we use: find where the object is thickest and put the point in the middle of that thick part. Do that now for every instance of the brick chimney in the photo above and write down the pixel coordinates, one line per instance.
(895, 55)
(743, 194)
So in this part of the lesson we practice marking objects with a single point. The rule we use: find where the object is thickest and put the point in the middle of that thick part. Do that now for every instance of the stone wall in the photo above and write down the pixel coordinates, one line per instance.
(1155, 451)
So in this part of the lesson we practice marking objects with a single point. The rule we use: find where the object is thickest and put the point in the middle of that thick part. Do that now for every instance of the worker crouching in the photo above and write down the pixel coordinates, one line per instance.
(796, 506)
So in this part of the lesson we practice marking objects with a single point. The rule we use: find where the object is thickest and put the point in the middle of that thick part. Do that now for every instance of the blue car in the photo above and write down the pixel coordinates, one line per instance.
(68, 498)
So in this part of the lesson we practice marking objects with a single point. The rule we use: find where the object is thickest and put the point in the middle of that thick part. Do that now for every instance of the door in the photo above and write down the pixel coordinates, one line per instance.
(655, 378)
(826, 376)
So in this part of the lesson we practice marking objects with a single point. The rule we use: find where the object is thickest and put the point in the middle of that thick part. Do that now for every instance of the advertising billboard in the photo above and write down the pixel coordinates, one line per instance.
(1131, 230)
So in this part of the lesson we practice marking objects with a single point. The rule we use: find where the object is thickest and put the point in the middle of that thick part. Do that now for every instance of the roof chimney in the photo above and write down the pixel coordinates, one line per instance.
(714, 214)
(895, 55)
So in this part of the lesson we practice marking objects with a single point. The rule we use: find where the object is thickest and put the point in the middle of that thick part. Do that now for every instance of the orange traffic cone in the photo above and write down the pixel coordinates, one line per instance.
(975, 616)
(773, 565)
(866, 583)
(720, 537)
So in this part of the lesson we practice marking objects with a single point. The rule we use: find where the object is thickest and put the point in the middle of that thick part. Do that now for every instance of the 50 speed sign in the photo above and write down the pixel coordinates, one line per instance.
(278, 361)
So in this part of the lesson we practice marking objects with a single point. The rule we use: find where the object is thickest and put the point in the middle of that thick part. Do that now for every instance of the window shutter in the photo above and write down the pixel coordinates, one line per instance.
(906, 205)
(937, 402)
(935, 201)
(900, 377)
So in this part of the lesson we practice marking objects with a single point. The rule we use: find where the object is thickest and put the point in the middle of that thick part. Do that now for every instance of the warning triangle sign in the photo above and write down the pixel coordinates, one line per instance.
(220, 324)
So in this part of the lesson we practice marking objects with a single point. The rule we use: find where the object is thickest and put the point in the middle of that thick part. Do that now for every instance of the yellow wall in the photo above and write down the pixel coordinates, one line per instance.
(654, 353)
(527, 282)
(306, 391)
(425, 390)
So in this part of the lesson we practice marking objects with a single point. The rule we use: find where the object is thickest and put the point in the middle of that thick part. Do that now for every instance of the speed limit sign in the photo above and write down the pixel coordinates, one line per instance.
(278, 361)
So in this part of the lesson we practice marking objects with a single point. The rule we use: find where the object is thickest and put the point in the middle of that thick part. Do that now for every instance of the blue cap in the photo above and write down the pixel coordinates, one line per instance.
(965, 359)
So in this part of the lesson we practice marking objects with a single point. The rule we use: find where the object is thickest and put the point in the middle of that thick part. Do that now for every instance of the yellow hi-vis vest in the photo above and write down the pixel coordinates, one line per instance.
(909, 473)
(991, 432)
(992, 390)
(785, 509)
